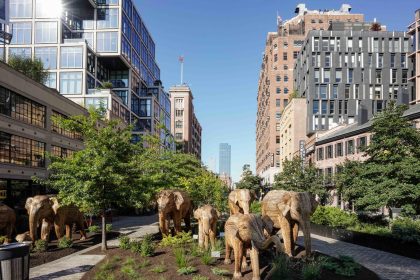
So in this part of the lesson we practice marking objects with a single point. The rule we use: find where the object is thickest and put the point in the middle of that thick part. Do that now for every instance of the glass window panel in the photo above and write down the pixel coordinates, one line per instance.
(20, 8)
(51, 81)
(107, 41)
(45, 32)
(22, 52)
(71, 57)
(47, 8)
(107, 18)
(48, 56)
(22, 33)
(88, 36)
(71, 82)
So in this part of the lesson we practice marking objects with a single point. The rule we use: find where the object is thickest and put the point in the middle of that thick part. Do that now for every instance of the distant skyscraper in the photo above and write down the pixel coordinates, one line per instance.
(224, 158)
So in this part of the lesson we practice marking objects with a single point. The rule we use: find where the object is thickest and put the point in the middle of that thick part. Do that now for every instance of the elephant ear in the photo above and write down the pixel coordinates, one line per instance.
(284, 205)
(217, 214)
(197, 214)
(179, 199)
(234, 196)
(28, 203)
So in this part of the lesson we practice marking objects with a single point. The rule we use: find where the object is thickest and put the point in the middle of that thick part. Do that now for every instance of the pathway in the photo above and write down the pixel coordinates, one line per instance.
(388, 266)
(74, 266)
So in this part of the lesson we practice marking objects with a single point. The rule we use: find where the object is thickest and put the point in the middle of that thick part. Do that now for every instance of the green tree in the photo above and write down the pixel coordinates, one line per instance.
(103, 173)
(249, 180)
(34, 69)
(391, 175)
(299, 178)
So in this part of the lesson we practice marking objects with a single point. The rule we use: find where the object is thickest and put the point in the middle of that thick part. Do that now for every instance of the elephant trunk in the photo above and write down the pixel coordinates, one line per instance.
(264, 245)
(162, 222)
(206, 225)
(33, 223)
(245, 207)
(306, 229)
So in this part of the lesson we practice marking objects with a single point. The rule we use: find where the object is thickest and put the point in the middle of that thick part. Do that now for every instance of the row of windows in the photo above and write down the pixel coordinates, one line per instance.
(285, 78)
(55, 127)
(61, 152)
(21, 108)
(337, 150)
(285, 90)
(21, 151)
(373, 44)
(324, 75)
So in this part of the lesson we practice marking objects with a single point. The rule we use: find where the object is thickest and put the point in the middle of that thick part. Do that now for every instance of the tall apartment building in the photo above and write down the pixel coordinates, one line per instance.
(225, 159)
(414, 31)
(27, 132)
(185, 126)
(348, 75)
(86, 44)
(276, 77)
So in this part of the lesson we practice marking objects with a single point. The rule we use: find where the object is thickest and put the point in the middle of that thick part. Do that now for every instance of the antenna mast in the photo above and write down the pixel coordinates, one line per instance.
(181, 61)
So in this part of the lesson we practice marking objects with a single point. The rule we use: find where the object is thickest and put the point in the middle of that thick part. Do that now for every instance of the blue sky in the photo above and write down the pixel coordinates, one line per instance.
(223, 41)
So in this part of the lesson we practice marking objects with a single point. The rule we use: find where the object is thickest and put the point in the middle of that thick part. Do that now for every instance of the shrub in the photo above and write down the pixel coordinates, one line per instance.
(94, 229)
(220, 271)
(187, 270)
(406, 229)
(220, 245)
(33, 69)
(255, 207)
(107, 85)
(124, 242)
(195, 250)
(108, 227)
(371, 229)
(160, 268)
(147, 247)
(280, 268)
(344, 265)
(180, 239)
(135, 246)
(334, 217)
(181, 258)
(65, 243)
(40, 246)
(207, 259)
(311, 271)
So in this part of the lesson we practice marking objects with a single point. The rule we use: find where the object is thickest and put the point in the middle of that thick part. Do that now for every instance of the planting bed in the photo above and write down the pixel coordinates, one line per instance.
(124, 264)
(54, 253)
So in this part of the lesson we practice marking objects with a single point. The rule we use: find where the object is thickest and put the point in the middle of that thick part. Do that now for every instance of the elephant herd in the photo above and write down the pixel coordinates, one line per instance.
(282, 213)
(45, 212)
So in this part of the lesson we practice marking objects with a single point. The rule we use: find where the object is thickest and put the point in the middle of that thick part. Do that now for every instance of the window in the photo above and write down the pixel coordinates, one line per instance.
(349, 44)
(323, 91)
(350, 76)
(316, 44)
(178, 124)
(179, 113)
(21, 108)
(275, 58)
(286, 91)
(335, 92)
(327, 76)
(324, 44)
(316, 76)
(178, 136)
(48, 56)
(285, 67)
(392, 60)
(394, 76)
(123, 94)
(22, 33)
(285, 102)
(286, 78)
(403, 61)
(329, 152)
(22, 151)
(146, 108)
(350, 147)
(375, 45)
(324, 104)
(278, 90)
(339, 149)
(320, 154)
(347, 92)
(327, 60)
(107, 18)
(338, 76)
(370, 59)
(20, 8)
(43, 9)
(71, 82)
(285, 56)
(315, 108)
(107, 41)
(378, 76)
(126, 48)
(404, 76)
(71, 57)
(356, 91)
(277, 102)
(45, 32)
(380, 60)
(331, 107)
(295, 54)
(51, 81)
(278, 78)
(361, 143)
(61, 152)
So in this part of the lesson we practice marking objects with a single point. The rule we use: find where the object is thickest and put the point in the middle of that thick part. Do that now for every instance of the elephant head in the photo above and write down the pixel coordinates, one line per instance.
(240, 200)
(40, 212)
(207, 217)
(299, 206)
(172, 203)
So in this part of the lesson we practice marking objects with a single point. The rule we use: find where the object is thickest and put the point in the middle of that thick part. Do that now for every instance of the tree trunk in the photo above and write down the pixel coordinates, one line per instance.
(104, 246)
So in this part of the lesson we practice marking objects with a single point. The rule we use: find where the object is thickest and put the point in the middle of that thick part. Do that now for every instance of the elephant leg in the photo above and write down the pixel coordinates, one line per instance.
(45, 230)
(177, 222)
(9, 233)
(244, 262)
(255, 264)
(238, 252)
(286, 232)
(206, 241)
(162, 224)
(81, 226)
(228, 250)
(213, 235)
(58, 231)
(200, 234)
(68, 231)
(187, 220)
(295, 234)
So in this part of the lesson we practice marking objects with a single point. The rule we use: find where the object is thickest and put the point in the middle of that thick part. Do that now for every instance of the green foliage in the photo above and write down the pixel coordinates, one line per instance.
(344, 265)
(144, 263)
(220, 271)
(94, 229)
(195, 250)
(3, 239)
(200, 277)
(33, 69)
(108, 227)
(40, 246)
(255, 207)
(219, 245)
(107, 85)
(311, 271)
(124, 242)
(295, 178)
(371, 229)
(181, 258)
(147, 247)
(128, 269)
(105, 271)
(406, 229)
(187, 270)
(65, 242)
(391, 175)
(160, 268)
(334, 217)
(135, 246)
(248, 180)
(280, 267)
(207, 259)
(180, 239)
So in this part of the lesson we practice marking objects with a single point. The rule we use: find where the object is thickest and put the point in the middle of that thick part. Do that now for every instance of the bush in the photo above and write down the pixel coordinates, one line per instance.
(94, 229)
(280, 268)
(108, 227)
(147, 247)
(344, 265)
(159, 268)
(406, 229)
(311, 271)
(180, 239)
(334, 217)
(124, 242)
(187, 270)
(372, 229)
(65, 243)
(220, 271)
(135, 247)
(40, 246)
(181, 258)
(195, 250)
(255, 207)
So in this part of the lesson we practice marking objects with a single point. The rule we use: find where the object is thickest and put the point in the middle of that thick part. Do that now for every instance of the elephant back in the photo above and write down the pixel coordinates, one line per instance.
(70, 212)
(269, 205)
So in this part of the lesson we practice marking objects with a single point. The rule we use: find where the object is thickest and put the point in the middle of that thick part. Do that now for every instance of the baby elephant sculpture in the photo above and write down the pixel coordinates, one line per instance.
(288, 210)
(243, 232)
(240, 200)
(7, 221)
(64, 218)
(175, 205)
(23, 237)
(207, 217)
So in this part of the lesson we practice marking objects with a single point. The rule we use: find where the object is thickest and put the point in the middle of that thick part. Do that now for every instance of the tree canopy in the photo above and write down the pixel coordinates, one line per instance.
(33, 69)
(391, 175)
(249, 180)
(299, 178)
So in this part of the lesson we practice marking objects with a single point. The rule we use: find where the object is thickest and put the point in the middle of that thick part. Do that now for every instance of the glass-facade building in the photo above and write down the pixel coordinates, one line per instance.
(96, 52)
(224, 159)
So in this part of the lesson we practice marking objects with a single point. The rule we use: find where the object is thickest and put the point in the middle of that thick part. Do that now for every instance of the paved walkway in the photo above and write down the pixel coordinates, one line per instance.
(388, 266)
(74, 266)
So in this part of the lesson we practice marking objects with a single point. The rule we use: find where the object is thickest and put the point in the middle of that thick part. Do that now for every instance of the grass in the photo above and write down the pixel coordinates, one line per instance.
(181, 258)
(311, 271)
(207, 259)
(200, 277)
(143, 264)
(219, 245)
(187, 270)
(220, 271)
(160, 268)
(280, 267)
(195, 250)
